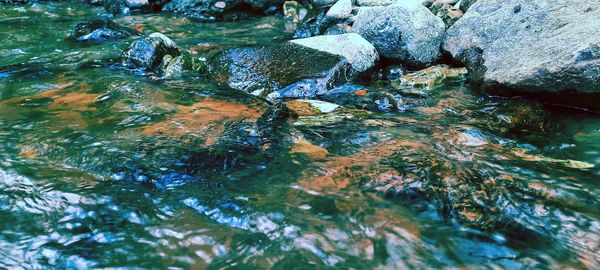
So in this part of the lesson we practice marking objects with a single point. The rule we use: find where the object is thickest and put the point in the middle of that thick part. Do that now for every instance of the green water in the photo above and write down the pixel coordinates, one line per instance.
(102, 167)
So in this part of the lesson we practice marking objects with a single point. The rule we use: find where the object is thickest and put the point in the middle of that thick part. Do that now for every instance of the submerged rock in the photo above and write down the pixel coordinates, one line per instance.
(132, 6)
(549, 46)
(358, 97)
(306, 107)
(149, 52)
(216, 10)
(296, 69)
(100, 31)
(406, 32)
(419, 82)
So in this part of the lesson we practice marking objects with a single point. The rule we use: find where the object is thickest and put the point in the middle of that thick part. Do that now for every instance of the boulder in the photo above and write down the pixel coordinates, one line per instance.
(323, 3)
(548, 46)
(100, 31)
(218, 10)
(284, 70)
(149, 52)
(406, 32)
(359, 52)
(341, 10)
(297, 69)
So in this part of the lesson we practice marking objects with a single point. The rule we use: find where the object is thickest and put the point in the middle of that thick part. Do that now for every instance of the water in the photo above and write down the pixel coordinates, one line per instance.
(102, 167)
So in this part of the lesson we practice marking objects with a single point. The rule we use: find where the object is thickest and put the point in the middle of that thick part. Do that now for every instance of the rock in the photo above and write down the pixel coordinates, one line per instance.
(149, 52)
(549, 46)
(420, 82)
(374, 3)
(338, 29)
(296, 69)
(171, 67)
(464, 5)
(341, 10)
(293, 10)
(360, 53)
(323, 3)
(448, 12)
(100, 31)
(219, 10)
(358, 97)
(406, 32)
(306, 107)
(132, 6)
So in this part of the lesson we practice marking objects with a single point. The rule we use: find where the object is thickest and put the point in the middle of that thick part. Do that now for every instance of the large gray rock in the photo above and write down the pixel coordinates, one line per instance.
(533, 46)
(359, 52)
(341, 10)
(405, 31)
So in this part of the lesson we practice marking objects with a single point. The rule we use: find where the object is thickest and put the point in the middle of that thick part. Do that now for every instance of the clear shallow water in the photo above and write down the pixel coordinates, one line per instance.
(101, 167)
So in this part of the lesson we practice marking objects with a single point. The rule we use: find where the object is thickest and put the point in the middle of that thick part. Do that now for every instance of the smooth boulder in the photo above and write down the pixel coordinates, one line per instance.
(405, 31)
(303, 68)
(149, 52)
(547, 46)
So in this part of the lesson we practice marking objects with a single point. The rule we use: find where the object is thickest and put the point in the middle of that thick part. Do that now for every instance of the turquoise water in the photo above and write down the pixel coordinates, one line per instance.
(102, 167)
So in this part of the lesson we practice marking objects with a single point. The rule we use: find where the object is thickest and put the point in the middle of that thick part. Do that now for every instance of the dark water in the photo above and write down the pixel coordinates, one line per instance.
(101, 167)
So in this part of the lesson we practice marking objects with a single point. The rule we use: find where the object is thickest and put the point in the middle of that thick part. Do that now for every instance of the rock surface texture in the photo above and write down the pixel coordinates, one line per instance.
(100, 31)
(359, 52)
(150, 52)
(302, 68)
(546, 46)
(405, 31)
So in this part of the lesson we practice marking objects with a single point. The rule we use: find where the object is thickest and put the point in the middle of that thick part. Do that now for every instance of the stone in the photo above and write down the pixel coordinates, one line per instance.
(464, 5)
(294, 10)
(306, 107)
(283, 70)
(359, 52)
(421, 82)
(126, 7)
(323, 3)
(100, 31)
(520, 46)
(300, 68)
(149, 52)
(375, 3)
(341, 10)
(221, 10)
(358, 97)
(406, 32)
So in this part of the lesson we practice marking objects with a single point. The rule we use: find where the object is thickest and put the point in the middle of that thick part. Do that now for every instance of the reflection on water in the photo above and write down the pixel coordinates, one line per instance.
(100, 167)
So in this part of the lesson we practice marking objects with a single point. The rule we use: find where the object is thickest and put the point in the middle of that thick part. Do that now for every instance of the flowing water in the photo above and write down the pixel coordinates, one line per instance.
(101, 166)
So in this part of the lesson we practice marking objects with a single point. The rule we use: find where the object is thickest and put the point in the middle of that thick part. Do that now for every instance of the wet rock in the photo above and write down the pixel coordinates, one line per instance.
(360, 53)
(418, 83)
(171, 67)
(294, 10)
(126, 7)
(264, 70)
(306, 107)
(217, 10)
(284, 70)
(323, 3)
(358, 97)
(341, 10)
(100, 31)
(464, 5)
(546, 46)
(405, 31)
(149, 52)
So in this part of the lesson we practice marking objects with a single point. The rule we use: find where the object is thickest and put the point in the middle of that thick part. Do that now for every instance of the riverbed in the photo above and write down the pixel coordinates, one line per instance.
(101, 166)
